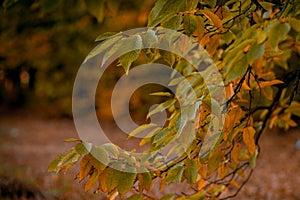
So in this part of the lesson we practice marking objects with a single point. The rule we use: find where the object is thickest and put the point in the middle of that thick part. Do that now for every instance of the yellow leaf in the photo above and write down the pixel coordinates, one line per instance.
(91, 181)
(85, 166)
(248, 138)
(213, 18)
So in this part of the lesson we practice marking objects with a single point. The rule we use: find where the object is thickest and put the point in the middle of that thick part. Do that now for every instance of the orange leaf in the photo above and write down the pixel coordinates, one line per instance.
(234, 184)
(248, 138)
(269, 83)
(236, 152)
(245, 86)
(211, 47)
(246, 49)
(204, 40)
(201, 184)
(213, 18)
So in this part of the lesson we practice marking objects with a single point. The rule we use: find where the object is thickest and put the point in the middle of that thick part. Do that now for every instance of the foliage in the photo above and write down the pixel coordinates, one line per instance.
(255, 45)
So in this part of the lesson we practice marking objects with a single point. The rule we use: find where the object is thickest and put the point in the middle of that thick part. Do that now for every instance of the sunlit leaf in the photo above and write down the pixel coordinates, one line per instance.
(174, 174)
(161, 107)
(85, 167)
(62, 160)
(127, 59)
(141, 129)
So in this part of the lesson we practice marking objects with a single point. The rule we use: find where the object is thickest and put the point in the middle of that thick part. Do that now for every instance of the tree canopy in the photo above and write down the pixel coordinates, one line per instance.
(255, 47)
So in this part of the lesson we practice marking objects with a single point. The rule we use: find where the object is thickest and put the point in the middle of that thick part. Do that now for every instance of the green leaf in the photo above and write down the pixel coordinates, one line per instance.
(102, 47)
(127, 59)
(149, 38)
(191, 171)
(149, 136)
(214, 160)
(172, 23)
(294, 108)
(133, 42)
(252, 159)
(256, 51)
(135, 197)
(96, 8)
(161, 107)
(58, 162)
(295, 24)
(109, 179)
(190, 24)
(164, 9)
(174, 174)
(81, 149)
(161, 134)
(105, 36)
(277, 33)
(266, 5)
(196, 196)
(111, 148)
(168, 197)
(168, 57)
(100, 154)
(126, 180)
(236, 68)
(141, 129)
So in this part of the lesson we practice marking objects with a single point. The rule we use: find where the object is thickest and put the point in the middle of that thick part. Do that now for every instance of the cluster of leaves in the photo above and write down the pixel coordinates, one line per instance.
(255, 45)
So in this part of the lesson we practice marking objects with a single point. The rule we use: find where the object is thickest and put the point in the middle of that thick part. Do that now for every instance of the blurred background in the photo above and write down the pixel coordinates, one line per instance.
(44, 42)
(42, 45)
